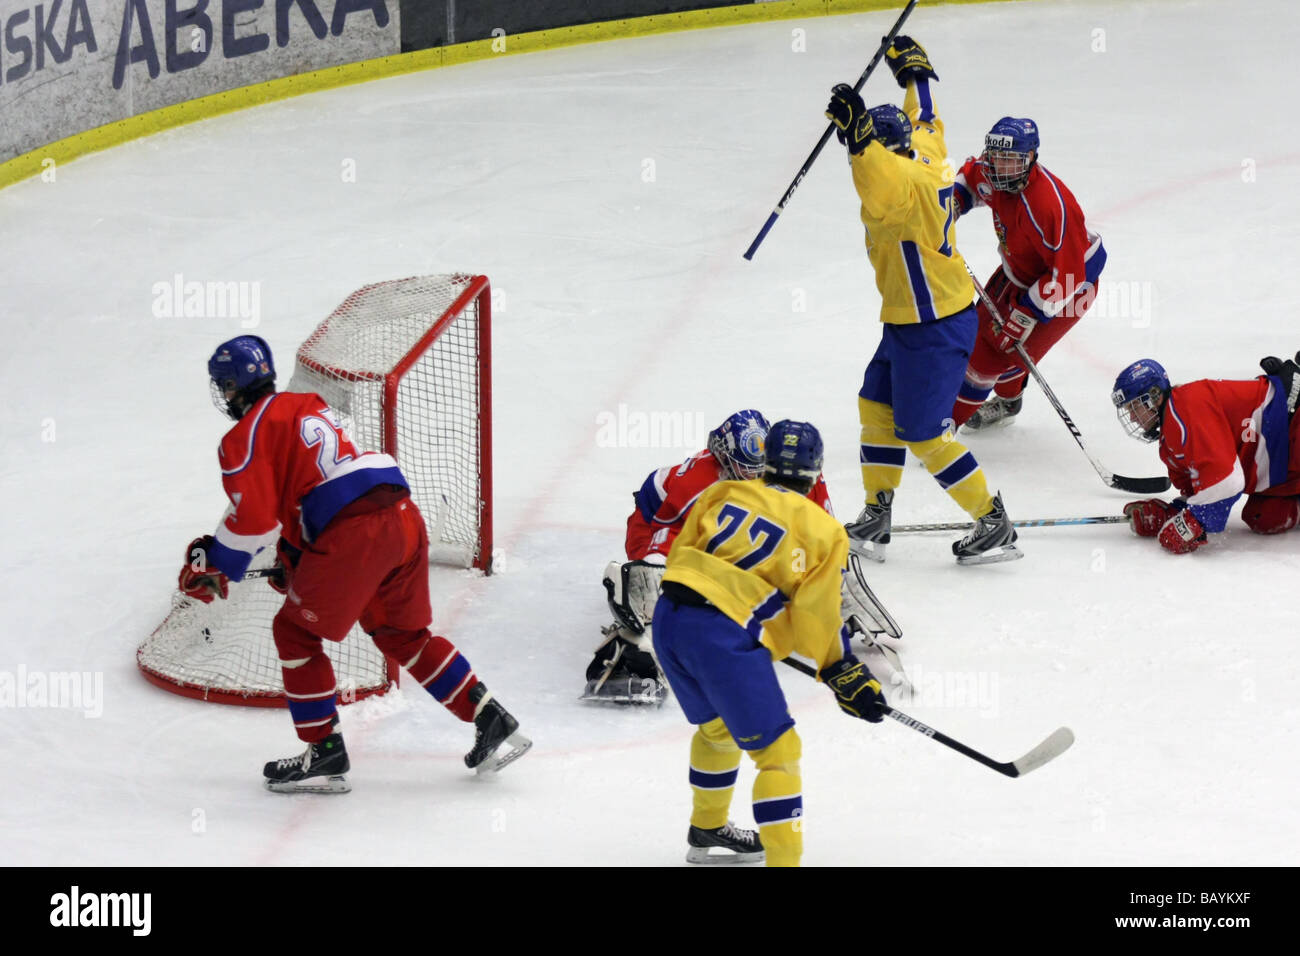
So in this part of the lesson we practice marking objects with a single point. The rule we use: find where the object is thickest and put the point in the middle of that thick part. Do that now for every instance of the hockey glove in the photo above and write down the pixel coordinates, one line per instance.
(853, 123)
(286, 559)
(856, 691)
(1289, 372)
(1147, 517)
(1182, 533)
(908, 61)
(1015, 330)
(199, 581)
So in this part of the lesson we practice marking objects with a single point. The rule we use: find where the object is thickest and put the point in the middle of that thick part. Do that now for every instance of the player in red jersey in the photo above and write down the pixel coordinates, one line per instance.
(1219, 439)
(1051, 262)
(623, 670)
(352, 546)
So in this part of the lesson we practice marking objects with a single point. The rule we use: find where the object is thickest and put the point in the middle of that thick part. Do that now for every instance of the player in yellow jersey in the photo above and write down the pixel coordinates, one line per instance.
(753, 577)
(905, 183)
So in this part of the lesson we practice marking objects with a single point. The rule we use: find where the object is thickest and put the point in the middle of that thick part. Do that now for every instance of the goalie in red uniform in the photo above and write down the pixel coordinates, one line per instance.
(1051, 262)
(623, 670)
(1219, 439)
(352, 546)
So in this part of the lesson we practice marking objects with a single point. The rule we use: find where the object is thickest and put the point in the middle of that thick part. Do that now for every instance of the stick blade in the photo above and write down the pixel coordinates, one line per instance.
(1051, 748)
(1143, 486)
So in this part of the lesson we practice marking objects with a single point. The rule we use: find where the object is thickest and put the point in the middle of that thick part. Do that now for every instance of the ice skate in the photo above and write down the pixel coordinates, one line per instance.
(992, 539)
(997, 412)
(736, 845)
(623, 673)
(869, 534)
(493, 727)
(319, 769)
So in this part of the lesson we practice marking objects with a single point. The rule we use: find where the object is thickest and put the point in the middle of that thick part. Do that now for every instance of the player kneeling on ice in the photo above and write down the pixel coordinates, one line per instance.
(623, 670)
(351, 546)
(1051, 263)
(753, 577)
(1218, 439)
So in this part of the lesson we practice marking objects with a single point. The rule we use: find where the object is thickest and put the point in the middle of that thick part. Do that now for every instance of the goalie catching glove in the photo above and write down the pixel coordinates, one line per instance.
(197, 580)
(856, 691)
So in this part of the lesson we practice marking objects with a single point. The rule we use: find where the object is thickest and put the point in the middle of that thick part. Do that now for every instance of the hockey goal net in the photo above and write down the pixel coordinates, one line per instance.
(406, 365)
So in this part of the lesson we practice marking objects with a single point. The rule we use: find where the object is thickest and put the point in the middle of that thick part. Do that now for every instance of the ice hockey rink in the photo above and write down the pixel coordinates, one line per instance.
(608, 191)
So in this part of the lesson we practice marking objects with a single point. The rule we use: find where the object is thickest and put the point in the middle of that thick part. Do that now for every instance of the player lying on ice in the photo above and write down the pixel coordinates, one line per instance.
(754, 577)
(1051, 262)
(1219, 439)
(623, 669)
(352, 546)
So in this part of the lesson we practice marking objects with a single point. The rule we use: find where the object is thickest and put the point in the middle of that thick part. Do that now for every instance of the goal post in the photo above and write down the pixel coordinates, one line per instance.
(406, 364)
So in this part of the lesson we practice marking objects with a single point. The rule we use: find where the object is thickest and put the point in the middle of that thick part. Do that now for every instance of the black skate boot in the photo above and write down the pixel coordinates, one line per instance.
(493, 726)
(997, 412)
(869, 534)
(319, 770)
(991, 539)
(738, 846)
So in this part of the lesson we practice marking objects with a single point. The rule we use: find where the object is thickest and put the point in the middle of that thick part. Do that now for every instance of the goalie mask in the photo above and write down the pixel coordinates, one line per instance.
(738, 445)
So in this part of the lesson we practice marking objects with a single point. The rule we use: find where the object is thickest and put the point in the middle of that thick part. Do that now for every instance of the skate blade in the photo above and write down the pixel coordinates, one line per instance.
(651, 693)
(701, 854)
(871, 550)
(335, 784)
(1008, 552)
(519, 745)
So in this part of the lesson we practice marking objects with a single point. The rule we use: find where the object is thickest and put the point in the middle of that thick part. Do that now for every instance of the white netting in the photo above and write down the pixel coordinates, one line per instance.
(350, 361)
(224, 649)
(370, 348)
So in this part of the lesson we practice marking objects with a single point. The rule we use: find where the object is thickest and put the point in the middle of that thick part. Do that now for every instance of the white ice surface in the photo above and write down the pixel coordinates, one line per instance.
(1177, 675)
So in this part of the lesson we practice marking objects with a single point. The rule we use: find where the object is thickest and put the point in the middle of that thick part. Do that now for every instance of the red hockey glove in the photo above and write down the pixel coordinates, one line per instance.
(1182, 533)
(1147, 517)
(286, 559)
(1015, 329)
(199, 581)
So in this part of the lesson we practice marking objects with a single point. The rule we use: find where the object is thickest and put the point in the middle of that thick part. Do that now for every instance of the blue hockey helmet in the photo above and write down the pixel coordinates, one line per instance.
(1139, 395)
(738, 444)
(893, 128)
(1010, 151)
(794, 453)
(239, 370)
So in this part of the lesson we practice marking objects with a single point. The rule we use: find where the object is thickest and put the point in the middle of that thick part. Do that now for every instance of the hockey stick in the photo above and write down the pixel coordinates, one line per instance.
(1121, 482)
(1038, 523)
(1055, 744)
(830, 128)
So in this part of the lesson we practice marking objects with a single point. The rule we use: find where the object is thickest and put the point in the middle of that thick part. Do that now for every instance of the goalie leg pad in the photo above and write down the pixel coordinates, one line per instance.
(633, 589)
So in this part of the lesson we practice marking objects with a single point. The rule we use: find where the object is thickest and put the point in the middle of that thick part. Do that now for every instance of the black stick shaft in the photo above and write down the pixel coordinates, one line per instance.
(826, 135)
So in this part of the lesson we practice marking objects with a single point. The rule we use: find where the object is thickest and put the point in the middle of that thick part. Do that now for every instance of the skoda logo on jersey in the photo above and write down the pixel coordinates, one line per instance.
(984, 189)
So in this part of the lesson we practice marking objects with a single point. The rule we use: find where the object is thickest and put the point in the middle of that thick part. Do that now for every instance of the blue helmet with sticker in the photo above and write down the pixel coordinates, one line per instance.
(1139, 396)
(240, 371)
(794, 453)
(1010, 151)
(893, 128)
(738, 444)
